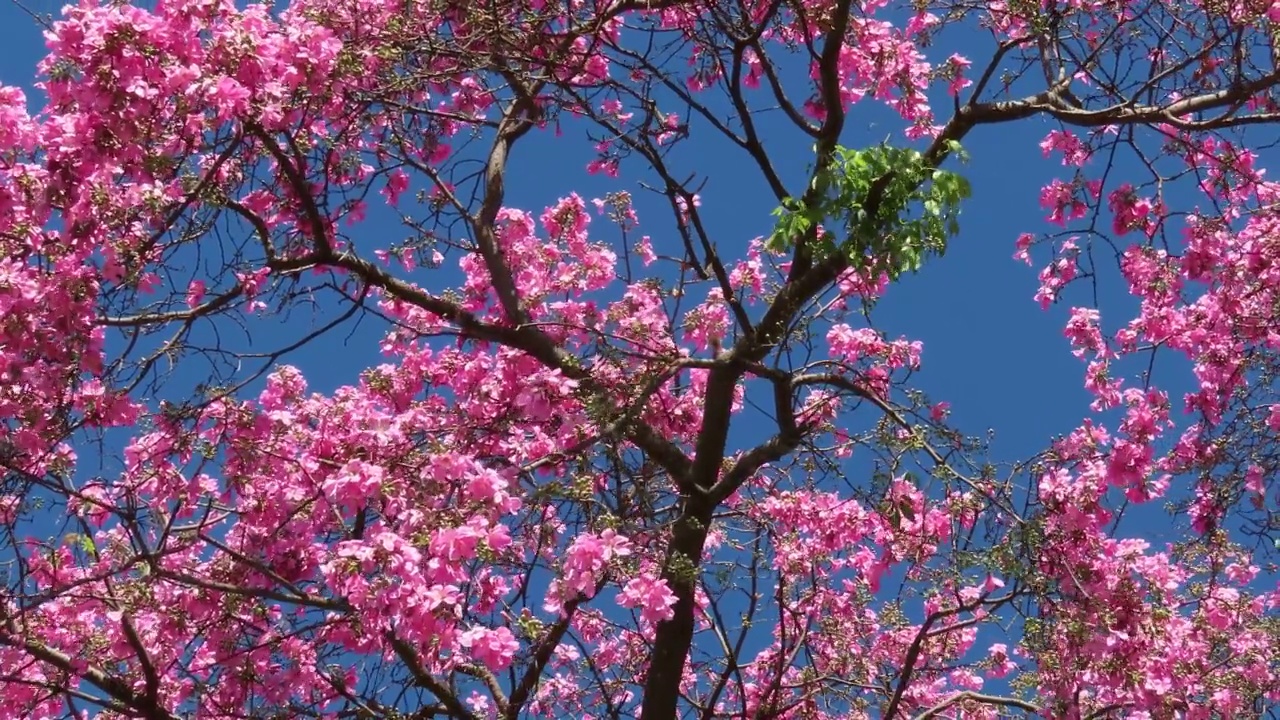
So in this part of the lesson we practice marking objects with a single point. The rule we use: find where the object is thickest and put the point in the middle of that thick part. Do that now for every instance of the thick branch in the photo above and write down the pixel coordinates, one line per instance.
(114, 687)
(527, 339)
(515, 123)
(674, 636)
(542, 653)
(409, 657)
(293, 174)
(969, 696)
(1051, 102)
(788, 438)
(832, 124)
(917, 646)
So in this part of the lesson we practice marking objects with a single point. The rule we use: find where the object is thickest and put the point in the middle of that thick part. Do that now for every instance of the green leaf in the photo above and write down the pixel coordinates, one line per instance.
(910, 187)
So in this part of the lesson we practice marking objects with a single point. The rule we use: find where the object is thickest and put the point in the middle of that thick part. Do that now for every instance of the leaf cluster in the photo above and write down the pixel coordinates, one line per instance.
(889, 205)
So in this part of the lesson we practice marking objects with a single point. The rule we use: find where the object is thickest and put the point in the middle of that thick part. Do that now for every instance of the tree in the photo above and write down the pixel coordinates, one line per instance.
(610, 475)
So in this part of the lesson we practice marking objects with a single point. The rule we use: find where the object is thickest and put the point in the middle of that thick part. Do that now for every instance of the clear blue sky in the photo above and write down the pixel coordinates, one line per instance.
(989, 349)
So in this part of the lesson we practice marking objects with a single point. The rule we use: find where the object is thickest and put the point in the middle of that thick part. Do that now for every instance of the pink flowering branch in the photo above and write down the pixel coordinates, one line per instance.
(1052, 102)
(554, 437)
(524, 336)
(927, 632)
(424, 678)
(145, 706)
(968, 696)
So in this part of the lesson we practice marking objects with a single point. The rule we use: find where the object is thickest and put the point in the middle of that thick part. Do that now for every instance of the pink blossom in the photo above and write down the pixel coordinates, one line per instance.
(652, 595)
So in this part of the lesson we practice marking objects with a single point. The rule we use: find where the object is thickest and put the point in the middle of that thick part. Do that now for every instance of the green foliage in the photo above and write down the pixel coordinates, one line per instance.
(883, 203)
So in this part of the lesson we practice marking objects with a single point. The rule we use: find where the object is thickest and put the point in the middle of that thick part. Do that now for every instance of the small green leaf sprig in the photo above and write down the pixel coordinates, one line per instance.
(917, 211)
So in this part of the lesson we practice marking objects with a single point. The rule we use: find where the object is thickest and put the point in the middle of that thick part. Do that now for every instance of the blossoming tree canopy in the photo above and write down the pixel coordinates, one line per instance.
(617, 462)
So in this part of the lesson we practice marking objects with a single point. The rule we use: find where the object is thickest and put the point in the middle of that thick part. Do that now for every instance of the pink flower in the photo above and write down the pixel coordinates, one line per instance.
(940, 411)
(230, 97)
(9, 506)
(492, 647)
(1074, 151)
(397, 183)
(651, 595)
(195, 293)
(644, 248)
(587, 559)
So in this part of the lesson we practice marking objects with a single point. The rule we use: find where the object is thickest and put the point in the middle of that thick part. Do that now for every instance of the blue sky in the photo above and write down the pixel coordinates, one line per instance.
(989, 349)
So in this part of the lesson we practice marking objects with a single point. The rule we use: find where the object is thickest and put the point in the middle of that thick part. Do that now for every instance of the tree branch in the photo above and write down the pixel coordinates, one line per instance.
(970, 696)
(147, 708)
